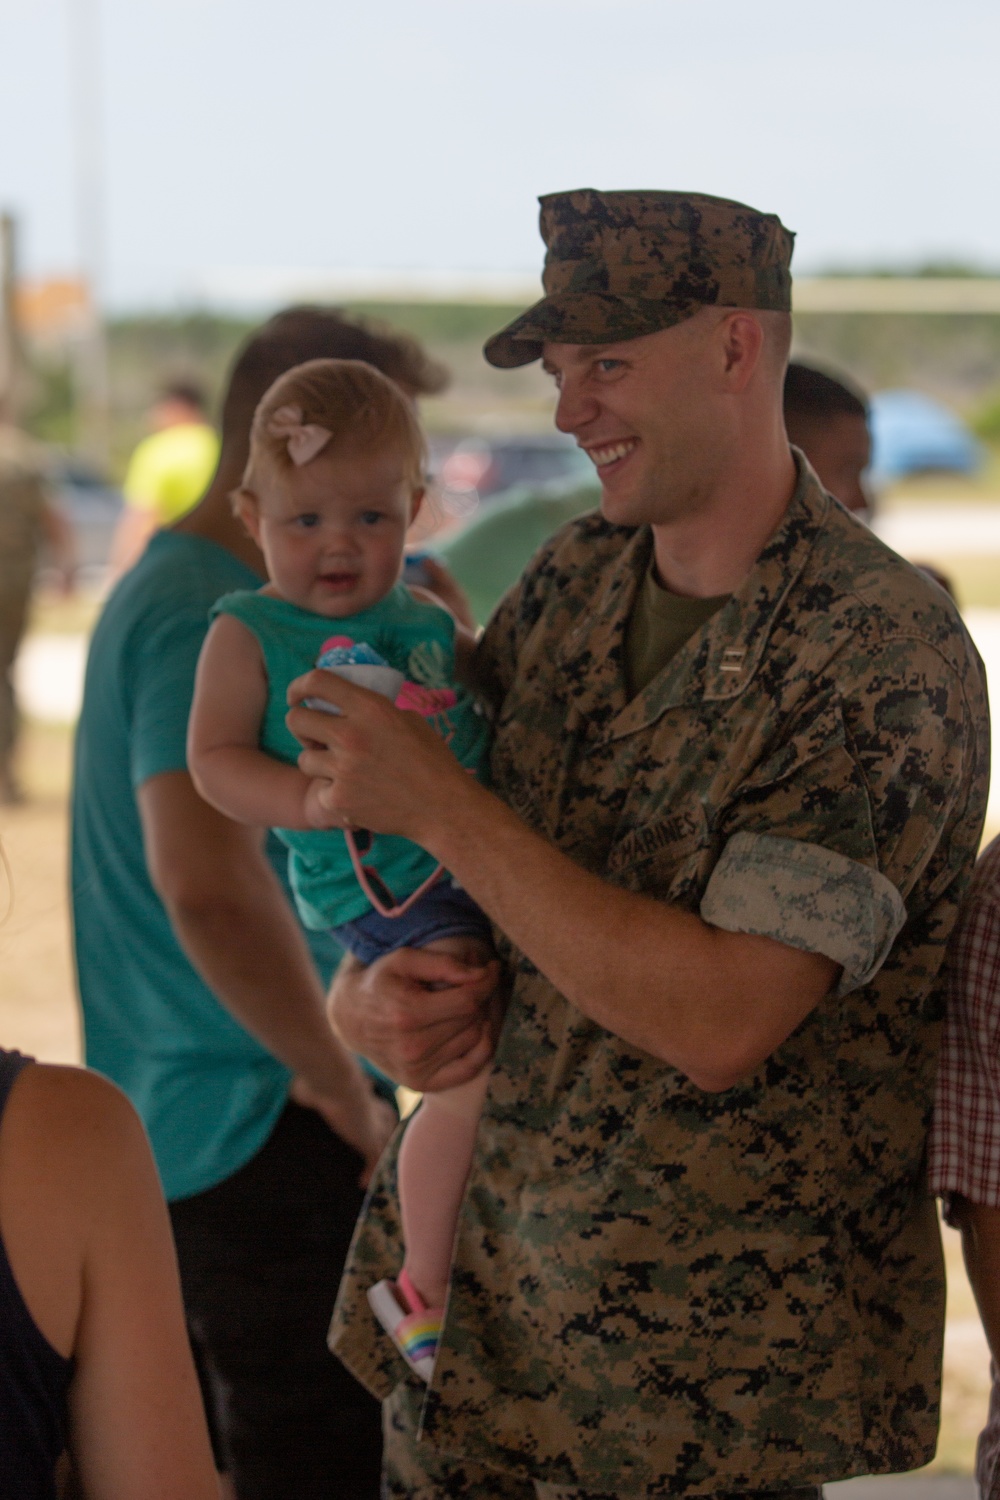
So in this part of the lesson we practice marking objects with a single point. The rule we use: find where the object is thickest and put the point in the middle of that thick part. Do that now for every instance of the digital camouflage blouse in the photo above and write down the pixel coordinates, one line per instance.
(658, 1290)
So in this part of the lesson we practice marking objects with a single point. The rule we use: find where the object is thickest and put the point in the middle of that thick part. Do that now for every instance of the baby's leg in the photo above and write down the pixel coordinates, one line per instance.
(434, 1161)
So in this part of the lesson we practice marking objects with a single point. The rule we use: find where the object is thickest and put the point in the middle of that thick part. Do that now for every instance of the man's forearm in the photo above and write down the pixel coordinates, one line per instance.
(247, 947)
(980, 1228)
(232, 919)
(712, 1003)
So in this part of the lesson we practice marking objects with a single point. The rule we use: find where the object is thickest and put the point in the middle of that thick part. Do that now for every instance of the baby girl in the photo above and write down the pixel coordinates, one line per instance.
(333, 481)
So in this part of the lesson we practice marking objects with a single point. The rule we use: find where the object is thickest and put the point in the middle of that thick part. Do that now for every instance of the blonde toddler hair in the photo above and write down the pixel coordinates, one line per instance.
(359, 407)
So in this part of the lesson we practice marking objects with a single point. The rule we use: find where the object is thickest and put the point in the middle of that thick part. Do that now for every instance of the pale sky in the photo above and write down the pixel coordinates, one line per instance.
(418, 133)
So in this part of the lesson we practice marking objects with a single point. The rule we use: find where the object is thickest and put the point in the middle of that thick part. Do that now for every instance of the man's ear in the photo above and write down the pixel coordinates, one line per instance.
(742, 345)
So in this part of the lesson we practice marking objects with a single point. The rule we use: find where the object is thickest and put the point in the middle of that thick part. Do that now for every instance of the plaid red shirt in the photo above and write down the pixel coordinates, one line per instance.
(964, 1147)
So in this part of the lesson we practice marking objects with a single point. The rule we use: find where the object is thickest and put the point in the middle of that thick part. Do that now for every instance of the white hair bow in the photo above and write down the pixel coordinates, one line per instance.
(305, 439)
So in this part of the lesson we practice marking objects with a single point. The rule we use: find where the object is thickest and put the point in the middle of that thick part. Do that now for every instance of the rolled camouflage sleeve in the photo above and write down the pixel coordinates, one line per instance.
(827, 838)
(808, 897)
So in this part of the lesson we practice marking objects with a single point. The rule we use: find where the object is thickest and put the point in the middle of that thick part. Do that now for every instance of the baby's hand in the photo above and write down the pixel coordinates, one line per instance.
(317, 815)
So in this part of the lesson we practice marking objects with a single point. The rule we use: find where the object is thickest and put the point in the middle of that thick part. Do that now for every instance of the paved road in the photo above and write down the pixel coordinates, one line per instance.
(937, 531)
(904, 1487)
(49, 677)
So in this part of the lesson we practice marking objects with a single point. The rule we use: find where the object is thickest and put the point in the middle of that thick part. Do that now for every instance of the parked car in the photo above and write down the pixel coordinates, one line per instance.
(911, 434)
(92, 505)
(477, 467)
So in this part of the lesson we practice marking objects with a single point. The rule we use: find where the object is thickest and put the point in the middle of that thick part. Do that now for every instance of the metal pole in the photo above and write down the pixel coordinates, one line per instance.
(92, 381)
(11, 384)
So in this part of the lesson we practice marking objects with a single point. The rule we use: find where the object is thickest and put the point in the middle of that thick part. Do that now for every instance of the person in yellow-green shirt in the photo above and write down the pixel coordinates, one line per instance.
(167, 473)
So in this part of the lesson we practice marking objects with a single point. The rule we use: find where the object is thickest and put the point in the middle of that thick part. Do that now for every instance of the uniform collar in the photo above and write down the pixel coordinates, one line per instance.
(720, 659)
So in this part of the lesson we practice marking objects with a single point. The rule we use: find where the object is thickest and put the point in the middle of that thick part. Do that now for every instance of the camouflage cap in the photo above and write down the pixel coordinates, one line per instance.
(619, 265)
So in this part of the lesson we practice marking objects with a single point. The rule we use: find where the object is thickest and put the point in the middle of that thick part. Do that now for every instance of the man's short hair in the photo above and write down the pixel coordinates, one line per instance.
(303, 333)
(812, 395)
(187, 391)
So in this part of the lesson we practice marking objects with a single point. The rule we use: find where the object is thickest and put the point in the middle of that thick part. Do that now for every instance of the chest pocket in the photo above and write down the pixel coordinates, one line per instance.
(807, 786)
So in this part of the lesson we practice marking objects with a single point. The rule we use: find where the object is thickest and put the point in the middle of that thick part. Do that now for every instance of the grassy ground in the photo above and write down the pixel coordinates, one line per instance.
(937, 489)
(976, 577)
(55, 613)
(38, 1011)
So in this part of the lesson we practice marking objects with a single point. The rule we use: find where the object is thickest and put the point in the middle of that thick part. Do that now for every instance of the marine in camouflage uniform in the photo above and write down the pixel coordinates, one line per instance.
(23, 503)
(659, 1290)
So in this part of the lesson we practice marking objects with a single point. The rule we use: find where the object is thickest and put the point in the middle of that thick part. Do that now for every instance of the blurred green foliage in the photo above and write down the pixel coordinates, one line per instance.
(52, 400)
(955, 358)
(985, 420)
(441, 322)
(952, 270)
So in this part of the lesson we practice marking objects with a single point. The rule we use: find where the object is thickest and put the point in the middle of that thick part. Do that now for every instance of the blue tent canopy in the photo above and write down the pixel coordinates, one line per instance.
(911, 433)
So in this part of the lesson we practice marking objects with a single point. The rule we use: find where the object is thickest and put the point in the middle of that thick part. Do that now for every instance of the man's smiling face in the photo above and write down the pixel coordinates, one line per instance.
(643, 412)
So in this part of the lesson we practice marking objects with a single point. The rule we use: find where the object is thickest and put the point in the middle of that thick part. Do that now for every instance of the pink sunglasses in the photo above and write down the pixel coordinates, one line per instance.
(359, 843)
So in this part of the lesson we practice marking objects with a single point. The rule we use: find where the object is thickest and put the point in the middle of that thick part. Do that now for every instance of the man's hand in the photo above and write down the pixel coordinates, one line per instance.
(315, 812)
(424, 1018)
(368, 1131)
(383, 768)
(442, 588)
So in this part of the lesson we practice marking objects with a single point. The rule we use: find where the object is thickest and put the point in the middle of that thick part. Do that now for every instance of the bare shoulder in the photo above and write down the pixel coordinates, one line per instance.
(74, 1166)
(76, 1121)
(230, 694)
(88, 1239)
(229, 634)
(81, 1085)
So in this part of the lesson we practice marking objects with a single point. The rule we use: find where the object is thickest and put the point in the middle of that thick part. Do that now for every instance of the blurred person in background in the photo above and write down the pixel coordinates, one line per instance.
(168, 472)
(487, 556)
(828, 420)
(94, 1356)
(964, 1147)
(202, 1000)
(29, 521)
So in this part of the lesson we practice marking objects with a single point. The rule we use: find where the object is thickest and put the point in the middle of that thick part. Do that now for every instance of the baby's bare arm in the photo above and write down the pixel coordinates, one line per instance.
(224, 758)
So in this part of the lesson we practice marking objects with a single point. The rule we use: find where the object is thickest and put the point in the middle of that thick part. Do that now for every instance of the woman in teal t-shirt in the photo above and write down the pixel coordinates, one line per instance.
(334, 479)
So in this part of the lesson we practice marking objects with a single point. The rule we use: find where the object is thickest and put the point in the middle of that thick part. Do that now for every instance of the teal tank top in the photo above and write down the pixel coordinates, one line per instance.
(418, 640)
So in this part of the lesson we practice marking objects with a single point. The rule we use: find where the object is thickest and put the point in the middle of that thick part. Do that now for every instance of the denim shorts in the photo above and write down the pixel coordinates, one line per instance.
(443, 911)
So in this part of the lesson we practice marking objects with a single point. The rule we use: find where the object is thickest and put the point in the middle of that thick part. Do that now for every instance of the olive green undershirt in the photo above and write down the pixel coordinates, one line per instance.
(660, 624)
